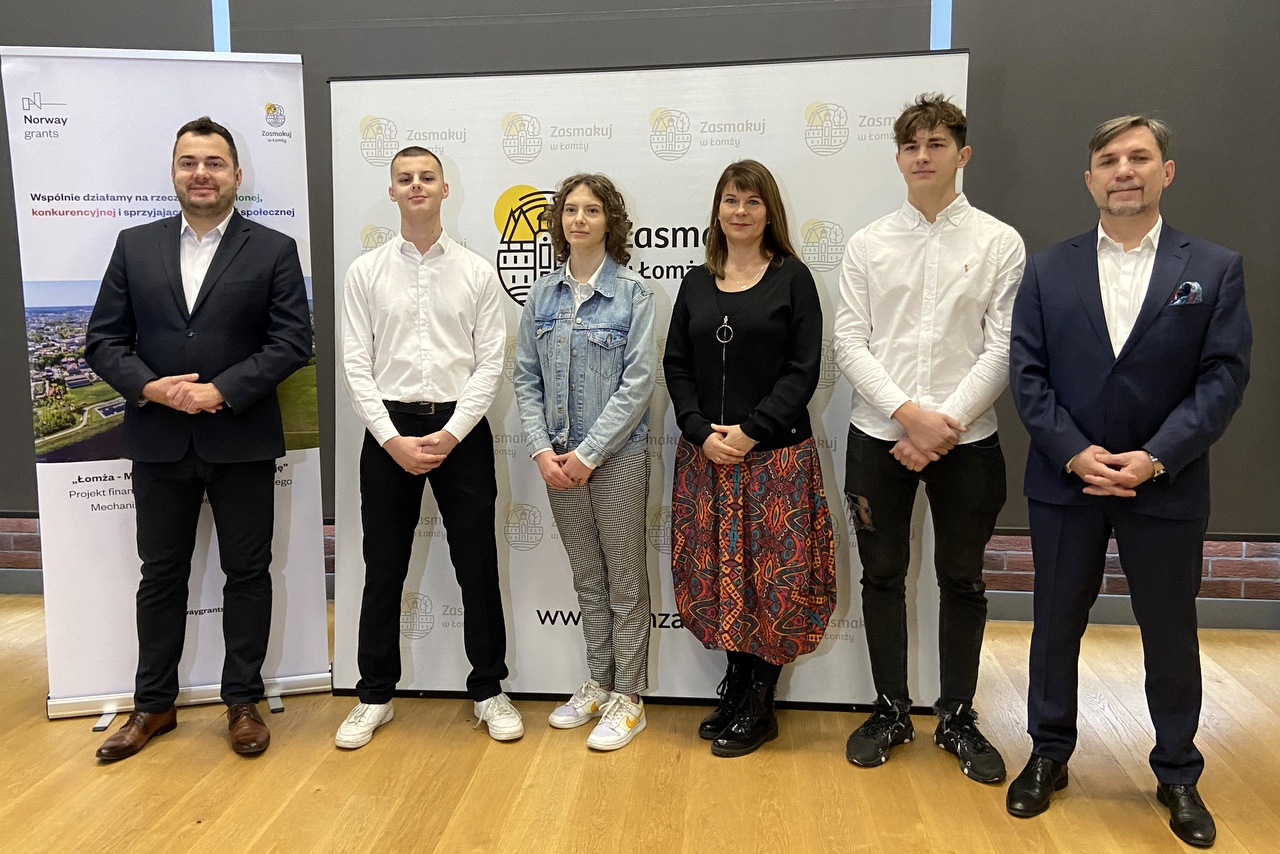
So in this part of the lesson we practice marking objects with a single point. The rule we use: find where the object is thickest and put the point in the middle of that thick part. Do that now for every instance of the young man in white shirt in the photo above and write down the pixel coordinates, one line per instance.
(423, 339)
(922, 334)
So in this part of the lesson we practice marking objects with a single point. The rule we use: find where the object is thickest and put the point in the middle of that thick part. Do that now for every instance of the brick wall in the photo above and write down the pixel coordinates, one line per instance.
(1231, 570)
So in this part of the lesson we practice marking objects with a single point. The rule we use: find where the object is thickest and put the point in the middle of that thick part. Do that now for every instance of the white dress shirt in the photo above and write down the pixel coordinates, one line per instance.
(422, 328)
(196, 254)
(924, 316)
(1124, 278)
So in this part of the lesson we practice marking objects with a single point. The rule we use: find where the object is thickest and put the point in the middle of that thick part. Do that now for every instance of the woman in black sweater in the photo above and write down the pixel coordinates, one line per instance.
(753, 556)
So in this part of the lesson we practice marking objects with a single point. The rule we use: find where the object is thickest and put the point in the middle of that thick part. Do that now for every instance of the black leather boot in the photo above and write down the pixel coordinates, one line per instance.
(753, 724)
(736, 681)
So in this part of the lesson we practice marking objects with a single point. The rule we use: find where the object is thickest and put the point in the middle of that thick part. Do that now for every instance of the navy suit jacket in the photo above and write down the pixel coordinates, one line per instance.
(249, 330)
(1171, 390)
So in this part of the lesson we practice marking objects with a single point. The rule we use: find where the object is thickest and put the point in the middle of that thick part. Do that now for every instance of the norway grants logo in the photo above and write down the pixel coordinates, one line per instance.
(521, 137)
(524, 527)
(378, 140)
(669, 135)
(826, 128)
(274, 115)
(416, 619)
(373, 236)
(524, 248)
(822, 244)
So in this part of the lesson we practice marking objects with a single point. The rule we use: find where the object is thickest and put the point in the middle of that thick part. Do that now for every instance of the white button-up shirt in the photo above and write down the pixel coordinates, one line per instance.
(422, 328)
(1124, 278)
(195, 254)
(924, 316)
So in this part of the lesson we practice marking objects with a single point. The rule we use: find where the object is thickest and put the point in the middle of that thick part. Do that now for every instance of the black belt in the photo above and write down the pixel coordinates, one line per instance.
(419, 408)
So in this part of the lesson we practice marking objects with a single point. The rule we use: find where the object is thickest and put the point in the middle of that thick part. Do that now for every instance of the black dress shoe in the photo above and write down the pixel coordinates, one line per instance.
(1189, 818)
(1029, 793)
(753, 724)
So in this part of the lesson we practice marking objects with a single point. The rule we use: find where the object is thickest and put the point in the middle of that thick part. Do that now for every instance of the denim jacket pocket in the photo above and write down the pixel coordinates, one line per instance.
(542, 330)
(604, 355)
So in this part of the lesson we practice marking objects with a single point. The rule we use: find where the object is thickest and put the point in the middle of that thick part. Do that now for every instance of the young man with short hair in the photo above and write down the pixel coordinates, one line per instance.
(922, 334)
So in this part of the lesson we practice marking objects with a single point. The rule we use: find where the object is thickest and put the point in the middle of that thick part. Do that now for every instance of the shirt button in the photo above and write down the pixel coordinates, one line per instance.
(191, 333)
(578, 321)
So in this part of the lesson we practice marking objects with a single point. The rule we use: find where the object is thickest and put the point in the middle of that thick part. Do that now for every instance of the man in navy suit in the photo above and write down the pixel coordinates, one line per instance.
(1129, 355)
(199, 318)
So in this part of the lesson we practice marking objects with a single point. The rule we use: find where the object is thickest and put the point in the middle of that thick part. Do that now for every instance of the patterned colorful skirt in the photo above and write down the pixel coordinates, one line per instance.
(752, 551)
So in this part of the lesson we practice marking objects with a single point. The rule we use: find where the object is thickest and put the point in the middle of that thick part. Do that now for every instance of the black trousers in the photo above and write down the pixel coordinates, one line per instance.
(1162, 562)
(966, 490)
(466, 490)
(168, 497)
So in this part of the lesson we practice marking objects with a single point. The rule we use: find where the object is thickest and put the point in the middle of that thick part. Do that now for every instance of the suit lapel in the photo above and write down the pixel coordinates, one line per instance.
(1171, 259)
(1087, 286)
(233, 239)
(170, 241)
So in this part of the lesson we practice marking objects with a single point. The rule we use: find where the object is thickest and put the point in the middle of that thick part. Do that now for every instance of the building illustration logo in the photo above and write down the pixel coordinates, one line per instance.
(829, 371)
(378, 140)
(521, 137)
(660, 375)
(822, 244)
(669, 135)
(373, 236)
(274, 115)
(660, 529)
(524, 244)
(509, 359)
(826, 128)
(416, 619)
(524, 527)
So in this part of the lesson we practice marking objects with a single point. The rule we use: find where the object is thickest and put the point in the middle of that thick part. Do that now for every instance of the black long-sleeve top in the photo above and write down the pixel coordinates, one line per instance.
(768, 371)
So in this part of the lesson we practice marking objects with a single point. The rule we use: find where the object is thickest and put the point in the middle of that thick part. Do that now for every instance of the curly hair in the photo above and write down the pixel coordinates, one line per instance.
(617, 223)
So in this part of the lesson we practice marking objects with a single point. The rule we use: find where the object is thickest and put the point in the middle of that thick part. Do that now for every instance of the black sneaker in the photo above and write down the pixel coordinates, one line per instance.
(888, 726)
(958, 734)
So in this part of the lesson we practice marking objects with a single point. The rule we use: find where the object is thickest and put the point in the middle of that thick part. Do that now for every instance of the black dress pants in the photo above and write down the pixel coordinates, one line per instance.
(168, 498)
(966, 490)
(1162, 563)
(466, 490)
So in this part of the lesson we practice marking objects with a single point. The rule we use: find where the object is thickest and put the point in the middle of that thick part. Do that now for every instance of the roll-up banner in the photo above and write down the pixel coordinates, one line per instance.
(824, 128)
(91, 137)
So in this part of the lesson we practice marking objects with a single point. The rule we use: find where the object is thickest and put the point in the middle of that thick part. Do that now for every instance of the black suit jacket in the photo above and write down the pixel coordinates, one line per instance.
(249, 330)
(1171, 390)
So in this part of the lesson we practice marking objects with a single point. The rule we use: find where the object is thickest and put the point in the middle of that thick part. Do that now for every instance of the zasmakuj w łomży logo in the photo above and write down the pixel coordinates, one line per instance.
(524, 248)
(826, 128)
(274, 115)
(378, 140)
(416, 619)
(524, 527)
(373, 236)
(521, 137)
(822, 244)
(669, 135)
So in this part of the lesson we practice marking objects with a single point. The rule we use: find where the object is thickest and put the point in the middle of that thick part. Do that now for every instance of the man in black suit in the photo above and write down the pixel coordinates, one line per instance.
(199, 318)
(1129, 355)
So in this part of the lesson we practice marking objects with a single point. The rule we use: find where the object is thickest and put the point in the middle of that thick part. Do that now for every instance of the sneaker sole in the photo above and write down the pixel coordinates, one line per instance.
(352, 744)
(942, 745)
(883, 759)
(504, 736)
(575, 724)
(635, 730)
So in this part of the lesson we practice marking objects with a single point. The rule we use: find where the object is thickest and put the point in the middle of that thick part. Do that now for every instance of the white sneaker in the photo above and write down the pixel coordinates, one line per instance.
(586, 703)
(621, 721)
(503, 719)
(358, 728)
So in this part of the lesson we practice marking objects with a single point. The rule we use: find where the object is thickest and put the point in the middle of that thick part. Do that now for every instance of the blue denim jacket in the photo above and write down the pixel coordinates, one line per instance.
(583, 382)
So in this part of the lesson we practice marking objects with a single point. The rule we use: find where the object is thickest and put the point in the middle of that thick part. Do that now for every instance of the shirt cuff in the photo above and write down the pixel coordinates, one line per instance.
(584, 461)
(538, 452)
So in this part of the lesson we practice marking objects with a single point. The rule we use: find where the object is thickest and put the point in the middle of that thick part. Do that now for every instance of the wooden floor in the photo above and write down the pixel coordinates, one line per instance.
(430, 782)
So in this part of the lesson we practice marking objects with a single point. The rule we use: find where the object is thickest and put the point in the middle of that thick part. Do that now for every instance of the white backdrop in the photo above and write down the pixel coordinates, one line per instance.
(824, 130)
(91, 135)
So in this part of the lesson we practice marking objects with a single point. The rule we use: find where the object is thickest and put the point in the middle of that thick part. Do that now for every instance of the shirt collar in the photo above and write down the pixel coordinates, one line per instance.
(221, 227)
(599, 282)
(953, 213)
(1149, 243)
(440, 247)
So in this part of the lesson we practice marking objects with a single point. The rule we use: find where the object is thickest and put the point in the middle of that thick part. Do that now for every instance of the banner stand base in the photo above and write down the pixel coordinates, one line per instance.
(111, 704)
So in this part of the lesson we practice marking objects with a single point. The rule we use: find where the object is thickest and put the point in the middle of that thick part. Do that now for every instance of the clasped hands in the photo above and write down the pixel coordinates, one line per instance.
(727, 445)
(420, 454)
(929, 435)
(184, 394)
(562, 471)
(1106, 473)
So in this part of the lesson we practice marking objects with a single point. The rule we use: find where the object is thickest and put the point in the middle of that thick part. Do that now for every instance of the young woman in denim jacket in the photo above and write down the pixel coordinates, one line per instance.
(584, 371)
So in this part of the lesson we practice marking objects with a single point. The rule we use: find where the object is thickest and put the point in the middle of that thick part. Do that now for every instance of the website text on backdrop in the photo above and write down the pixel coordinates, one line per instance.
(922, 335)
(1129, 355)
(199, 318)
(752, 548)
(422, 350)
(585, 364)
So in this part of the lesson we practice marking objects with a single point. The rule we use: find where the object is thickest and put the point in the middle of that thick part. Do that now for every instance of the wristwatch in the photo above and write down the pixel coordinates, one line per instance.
(1156, 464)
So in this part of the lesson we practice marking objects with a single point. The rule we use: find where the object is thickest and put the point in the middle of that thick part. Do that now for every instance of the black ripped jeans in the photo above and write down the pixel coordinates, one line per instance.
(966, 489)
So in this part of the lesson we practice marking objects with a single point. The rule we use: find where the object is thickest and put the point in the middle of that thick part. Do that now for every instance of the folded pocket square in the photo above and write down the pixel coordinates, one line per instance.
(1188, 293)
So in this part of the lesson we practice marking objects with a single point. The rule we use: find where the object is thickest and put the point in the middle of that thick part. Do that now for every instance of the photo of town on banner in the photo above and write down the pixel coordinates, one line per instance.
(76, 416)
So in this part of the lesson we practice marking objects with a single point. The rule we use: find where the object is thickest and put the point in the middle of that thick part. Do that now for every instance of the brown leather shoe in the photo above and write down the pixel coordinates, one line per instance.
(249, 735)
(136, 732)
